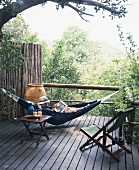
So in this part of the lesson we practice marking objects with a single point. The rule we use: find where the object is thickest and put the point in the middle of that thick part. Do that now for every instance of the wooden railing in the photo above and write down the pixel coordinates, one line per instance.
(78, 86)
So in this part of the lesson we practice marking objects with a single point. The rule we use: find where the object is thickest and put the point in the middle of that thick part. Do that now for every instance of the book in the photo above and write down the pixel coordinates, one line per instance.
(60, 107)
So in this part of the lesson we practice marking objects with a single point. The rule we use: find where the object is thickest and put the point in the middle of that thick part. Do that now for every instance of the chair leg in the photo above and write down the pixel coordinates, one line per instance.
(122, 147)
(105, 149)
(90, 142)
(87, 143)
(112, 155)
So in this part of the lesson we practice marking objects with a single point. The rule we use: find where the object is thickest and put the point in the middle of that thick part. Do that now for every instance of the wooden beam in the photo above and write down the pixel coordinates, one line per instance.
(78, 86)
(72, 101)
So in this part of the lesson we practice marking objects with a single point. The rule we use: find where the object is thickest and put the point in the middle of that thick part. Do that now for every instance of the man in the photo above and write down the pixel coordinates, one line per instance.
(43, 102)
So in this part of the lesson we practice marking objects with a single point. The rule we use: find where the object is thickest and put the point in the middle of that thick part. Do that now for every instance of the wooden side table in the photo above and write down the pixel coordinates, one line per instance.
(27, 122)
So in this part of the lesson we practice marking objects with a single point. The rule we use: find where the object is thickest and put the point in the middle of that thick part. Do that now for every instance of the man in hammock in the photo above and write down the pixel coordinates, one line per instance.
(74, 110)
(59, 107)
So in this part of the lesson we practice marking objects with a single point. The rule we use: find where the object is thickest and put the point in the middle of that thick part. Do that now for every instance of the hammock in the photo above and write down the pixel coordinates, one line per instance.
(61, 118)
(58, 118)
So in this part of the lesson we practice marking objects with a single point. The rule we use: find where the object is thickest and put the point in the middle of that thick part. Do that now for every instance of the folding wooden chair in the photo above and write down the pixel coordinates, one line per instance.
(95, 134)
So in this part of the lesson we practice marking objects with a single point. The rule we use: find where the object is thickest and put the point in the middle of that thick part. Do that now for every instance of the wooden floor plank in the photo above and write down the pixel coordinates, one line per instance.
(61, 151)
(101, 156)
(83, 159)
(66, 145)
(34, 154)
(52, 153)
(135, 156)
(50, 148)
(91, 152)
(129, 158)
(73, 144)
(78, 154)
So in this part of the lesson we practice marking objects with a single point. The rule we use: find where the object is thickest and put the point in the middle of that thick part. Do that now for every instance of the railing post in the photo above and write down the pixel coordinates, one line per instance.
(130, 126)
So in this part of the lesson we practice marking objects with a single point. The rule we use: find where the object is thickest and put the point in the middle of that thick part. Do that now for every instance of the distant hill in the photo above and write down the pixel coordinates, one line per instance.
(110, 51)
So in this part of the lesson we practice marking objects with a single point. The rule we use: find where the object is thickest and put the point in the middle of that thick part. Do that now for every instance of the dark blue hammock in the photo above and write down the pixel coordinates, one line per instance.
(61, 118)
(58, 118)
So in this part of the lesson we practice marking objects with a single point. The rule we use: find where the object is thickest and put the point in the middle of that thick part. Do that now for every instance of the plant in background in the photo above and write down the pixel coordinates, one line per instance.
(132, 73)
(10, 53)
(124, 72)
(59, 68)
(19, 31)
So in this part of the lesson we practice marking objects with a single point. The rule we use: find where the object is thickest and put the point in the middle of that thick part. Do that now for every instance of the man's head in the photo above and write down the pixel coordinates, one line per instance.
(43, 101)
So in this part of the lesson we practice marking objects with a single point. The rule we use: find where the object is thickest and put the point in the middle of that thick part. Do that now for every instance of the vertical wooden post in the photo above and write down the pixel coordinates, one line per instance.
(130, 126)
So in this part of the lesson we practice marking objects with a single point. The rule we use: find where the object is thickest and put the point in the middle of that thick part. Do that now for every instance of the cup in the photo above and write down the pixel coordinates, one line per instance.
(34, 113)
(40, 113)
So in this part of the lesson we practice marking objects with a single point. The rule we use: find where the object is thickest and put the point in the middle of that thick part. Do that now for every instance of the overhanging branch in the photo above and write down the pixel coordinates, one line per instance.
(80, 12)
(12, 9)
(102, 6)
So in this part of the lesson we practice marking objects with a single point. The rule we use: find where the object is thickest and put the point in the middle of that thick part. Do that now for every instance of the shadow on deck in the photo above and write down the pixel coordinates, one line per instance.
(61, 151)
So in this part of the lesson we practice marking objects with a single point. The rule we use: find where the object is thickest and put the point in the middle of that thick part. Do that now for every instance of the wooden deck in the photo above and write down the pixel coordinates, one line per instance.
(61, 151)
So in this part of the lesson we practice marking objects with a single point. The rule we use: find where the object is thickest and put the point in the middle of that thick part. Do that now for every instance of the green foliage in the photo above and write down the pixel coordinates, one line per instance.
(124, 72)
(127, 41)
(59, 68)
(132, 77)
(19, 31)
(10, 59)
(46, 54)
(10, 54)
(86, 53)
(16, 30)
(32, 38)
(65, 64)
(76, 43)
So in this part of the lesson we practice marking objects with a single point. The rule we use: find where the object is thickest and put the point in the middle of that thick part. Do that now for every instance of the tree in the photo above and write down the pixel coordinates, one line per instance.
(16, 30)
(76, 43)
(87, 54)
(19, 31)
(59, 68)
(10, 8)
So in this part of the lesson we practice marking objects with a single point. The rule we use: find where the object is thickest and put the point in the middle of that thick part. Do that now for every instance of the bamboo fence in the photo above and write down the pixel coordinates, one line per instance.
(19, 78)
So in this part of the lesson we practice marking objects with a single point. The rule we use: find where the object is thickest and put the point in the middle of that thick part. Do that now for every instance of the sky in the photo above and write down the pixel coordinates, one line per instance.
(50, 23)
